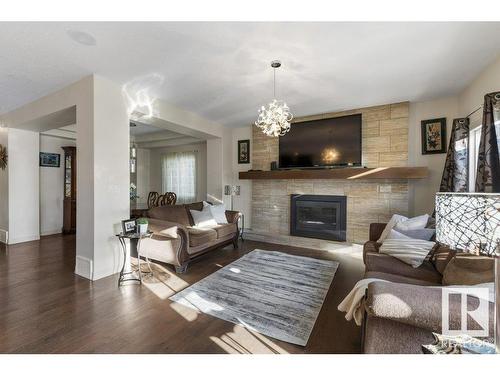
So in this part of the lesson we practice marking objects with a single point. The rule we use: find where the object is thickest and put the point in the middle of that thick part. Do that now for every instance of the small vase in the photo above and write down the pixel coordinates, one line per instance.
(143, 228)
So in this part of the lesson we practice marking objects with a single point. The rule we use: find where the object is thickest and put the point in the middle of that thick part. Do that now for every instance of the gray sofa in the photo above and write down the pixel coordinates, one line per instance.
(400, 316)
(176, 241)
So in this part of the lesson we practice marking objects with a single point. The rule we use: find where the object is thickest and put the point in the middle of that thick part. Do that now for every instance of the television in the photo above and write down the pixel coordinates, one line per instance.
(324, 143)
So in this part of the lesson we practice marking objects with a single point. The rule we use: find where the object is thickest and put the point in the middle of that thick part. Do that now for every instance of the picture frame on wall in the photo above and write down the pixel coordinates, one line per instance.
(244, 151)
(434, 136)
(48, 159)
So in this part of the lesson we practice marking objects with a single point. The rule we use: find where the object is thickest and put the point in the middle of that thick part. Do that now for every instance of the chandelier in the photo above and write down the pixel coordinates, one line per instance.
(274, 121)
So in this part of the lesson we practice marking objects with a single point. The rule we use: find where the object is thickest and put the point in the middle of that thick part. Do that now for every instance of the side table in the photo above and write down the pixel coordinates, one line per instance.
(127, 267)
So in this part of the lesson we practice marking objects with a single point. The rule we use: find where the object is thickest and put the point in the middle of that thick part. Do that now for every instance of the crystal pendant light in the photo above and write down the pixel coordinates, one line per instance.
(274, 121)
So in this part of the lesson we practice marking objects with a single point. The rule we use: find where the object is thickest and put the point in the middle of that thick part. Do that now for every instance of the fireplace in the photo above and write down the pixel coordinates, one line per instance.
(318, 216)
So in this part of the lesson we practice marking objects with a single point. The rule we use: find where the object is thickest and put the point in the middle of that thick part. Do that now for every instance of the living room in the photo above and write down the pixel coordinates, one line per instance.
(232, 188)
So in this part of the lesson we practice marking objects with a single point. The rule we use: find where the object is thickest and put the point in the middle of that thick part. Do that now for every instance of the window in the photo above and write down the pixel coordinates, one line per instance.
(474, 139)
(179, 175)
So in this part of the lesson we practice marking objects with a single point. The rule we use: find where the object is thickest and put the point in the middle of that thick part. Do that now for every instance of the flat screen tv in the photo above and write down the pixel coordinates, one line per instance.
(324, 143)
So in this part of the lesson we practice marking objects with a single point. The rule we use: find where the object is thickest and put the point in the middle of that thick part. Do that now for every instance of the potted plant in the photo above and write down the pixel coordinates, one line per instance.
(142, 225)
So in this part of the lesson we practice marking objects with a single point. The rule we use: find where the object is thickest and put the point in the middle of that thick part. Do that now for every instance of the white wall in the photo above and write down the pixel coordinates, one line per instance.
(52, 186)
(486, 82)
(156, 157)
(24, 200)
(422, 192)
(4, 190)
(111, 177)
(143, 176)
(215, 181)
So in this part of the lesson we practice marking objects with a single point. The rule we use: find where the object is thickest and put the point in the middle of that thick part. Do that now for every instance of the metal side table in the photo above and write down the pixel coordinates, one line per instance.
(127, 271)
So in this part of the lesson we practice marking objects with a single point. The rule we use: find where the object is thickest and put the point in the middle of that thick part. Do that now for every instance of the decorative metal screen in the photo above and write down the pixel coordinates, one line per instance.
(468, 221)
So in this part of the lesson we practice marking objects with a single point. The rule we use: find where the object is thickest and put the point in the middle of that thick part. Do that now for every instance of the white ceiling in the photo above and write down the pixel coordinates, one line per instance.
(221, 70)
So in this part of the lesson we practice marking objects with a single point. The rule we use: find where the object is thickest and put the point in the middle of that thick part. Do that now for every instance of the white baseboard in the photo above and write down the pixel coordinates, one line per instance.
(84, 267)
(4, 236)
(51, 232)
(15, 240)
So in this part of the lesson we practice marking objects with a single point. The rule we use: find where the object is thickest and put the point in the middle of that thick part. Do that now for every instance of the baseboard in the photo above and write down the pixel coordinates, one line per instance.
(13, 241)
(84, 267)
(4, 236)
(51, 232)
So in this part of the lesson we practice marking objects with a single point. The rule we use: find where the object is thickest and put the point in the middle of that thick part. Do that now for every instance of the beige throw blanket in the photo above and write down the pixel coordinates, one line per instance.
(351, 304)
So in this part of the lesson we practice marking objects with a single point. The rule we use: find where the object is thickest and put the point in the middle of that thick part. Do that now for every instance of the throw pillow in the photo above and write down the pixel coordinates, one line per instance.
(409, 251)
(203, 218)
(219, 213)
(418, 222)
(391, 224)
(419, 234)
(395, 235)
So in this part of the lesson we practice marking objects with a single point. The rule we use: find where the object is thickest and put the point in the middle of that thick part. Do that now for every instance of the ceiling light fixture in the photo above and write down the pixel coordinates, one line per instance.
(274, 121)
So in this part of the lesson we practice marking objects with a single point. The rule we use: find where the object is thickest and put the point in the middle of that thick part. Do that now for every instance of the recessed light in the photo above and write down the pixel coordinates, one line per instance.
(81, 37)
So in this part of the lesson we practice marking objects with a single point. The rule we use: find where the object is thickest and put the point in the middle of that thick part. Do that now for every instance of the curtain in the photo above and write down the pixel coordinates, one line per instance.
(179, 175)
(456, 168)
(488, 165)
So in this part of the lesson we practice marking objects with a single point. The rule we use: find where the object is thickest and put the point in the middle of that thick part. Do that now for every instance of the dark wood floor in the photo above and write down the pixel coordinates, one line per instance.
(46, 308)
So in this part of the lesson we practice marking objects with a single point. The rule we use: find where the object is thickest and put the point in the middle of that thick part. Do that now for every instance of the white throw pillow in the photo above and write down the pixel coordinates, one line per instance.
(203, 218)
(409, 251)
(395, 235)
(395, 219)
(219, 213)
(417, 222)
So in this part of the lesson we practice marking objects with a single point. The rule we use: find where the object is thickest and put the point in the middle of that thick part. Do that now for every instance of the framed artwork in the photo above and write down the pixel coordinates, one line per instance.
(244, 151)
(128, 226)
(434, 136)
(50, 160)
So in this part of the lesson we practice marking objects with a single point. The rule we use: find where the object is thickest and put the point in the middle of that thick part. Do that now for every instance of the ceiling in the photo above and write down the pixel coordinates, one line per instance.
(221, 70)
(144, 135)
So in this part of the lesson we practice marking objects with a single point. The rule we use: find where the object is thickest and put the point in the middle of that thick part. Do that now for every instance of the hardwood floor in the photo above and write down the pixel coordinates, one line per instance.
(46, 308)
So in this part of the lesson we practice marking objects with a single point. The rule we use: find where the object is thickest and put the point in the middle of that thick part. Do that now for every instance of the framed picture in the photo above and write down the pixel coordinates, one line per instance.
(434, 136)
(244, 151)
(128, 226)
(50, 160)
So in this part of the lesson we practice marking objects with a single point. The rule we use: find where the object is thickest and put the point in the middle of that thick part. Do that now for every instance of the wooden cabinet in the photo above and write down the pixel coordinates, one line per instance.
(69, 203)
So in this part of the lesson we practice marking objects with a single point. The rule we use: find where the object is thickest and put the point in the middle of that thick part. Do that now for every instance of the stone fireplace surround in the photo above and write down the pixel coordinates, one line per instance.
(384, 144)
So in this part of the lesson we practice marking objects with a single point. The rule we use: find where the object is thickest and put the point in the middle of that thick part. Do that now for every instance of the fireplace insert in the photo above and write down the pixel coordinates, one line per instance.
(318, 216)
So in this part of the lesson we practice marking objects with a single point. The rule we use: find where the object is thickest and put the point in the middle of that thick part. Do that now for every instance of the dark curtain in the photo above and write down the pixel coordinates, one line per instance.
(456, 168)
(488, 165)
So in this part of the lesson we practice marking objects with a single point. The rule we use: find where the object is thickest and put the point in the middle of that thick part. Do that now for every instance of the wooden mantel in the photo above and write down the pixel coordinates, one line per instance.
(338, 173)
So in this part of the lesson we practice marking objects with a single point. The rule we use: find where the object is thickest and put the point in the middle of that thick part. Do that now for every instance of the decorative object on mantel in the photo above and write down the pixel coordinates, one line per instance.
(244, 151)
(274, 121)
(468, 221)
(456, 168)
(352, 173)
(232, 190)
(488, 165)
(434, 136)
(48, 159)
(3, 157)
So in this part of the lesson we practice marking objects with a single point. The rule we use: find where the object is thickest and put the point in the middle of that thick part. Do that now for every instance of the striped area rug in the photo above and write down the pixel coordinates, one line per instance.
(273, 293)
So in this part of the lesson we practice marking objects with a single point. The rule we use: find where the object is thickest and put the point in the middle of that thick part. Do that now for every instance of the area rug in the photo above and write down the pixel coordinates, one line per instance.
(273, 293)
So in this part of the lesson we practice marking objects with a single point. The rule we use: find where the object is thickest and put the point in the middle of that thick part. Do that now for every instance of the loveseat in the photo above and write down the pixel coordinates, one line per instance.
(177, 241)
(400, 315)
